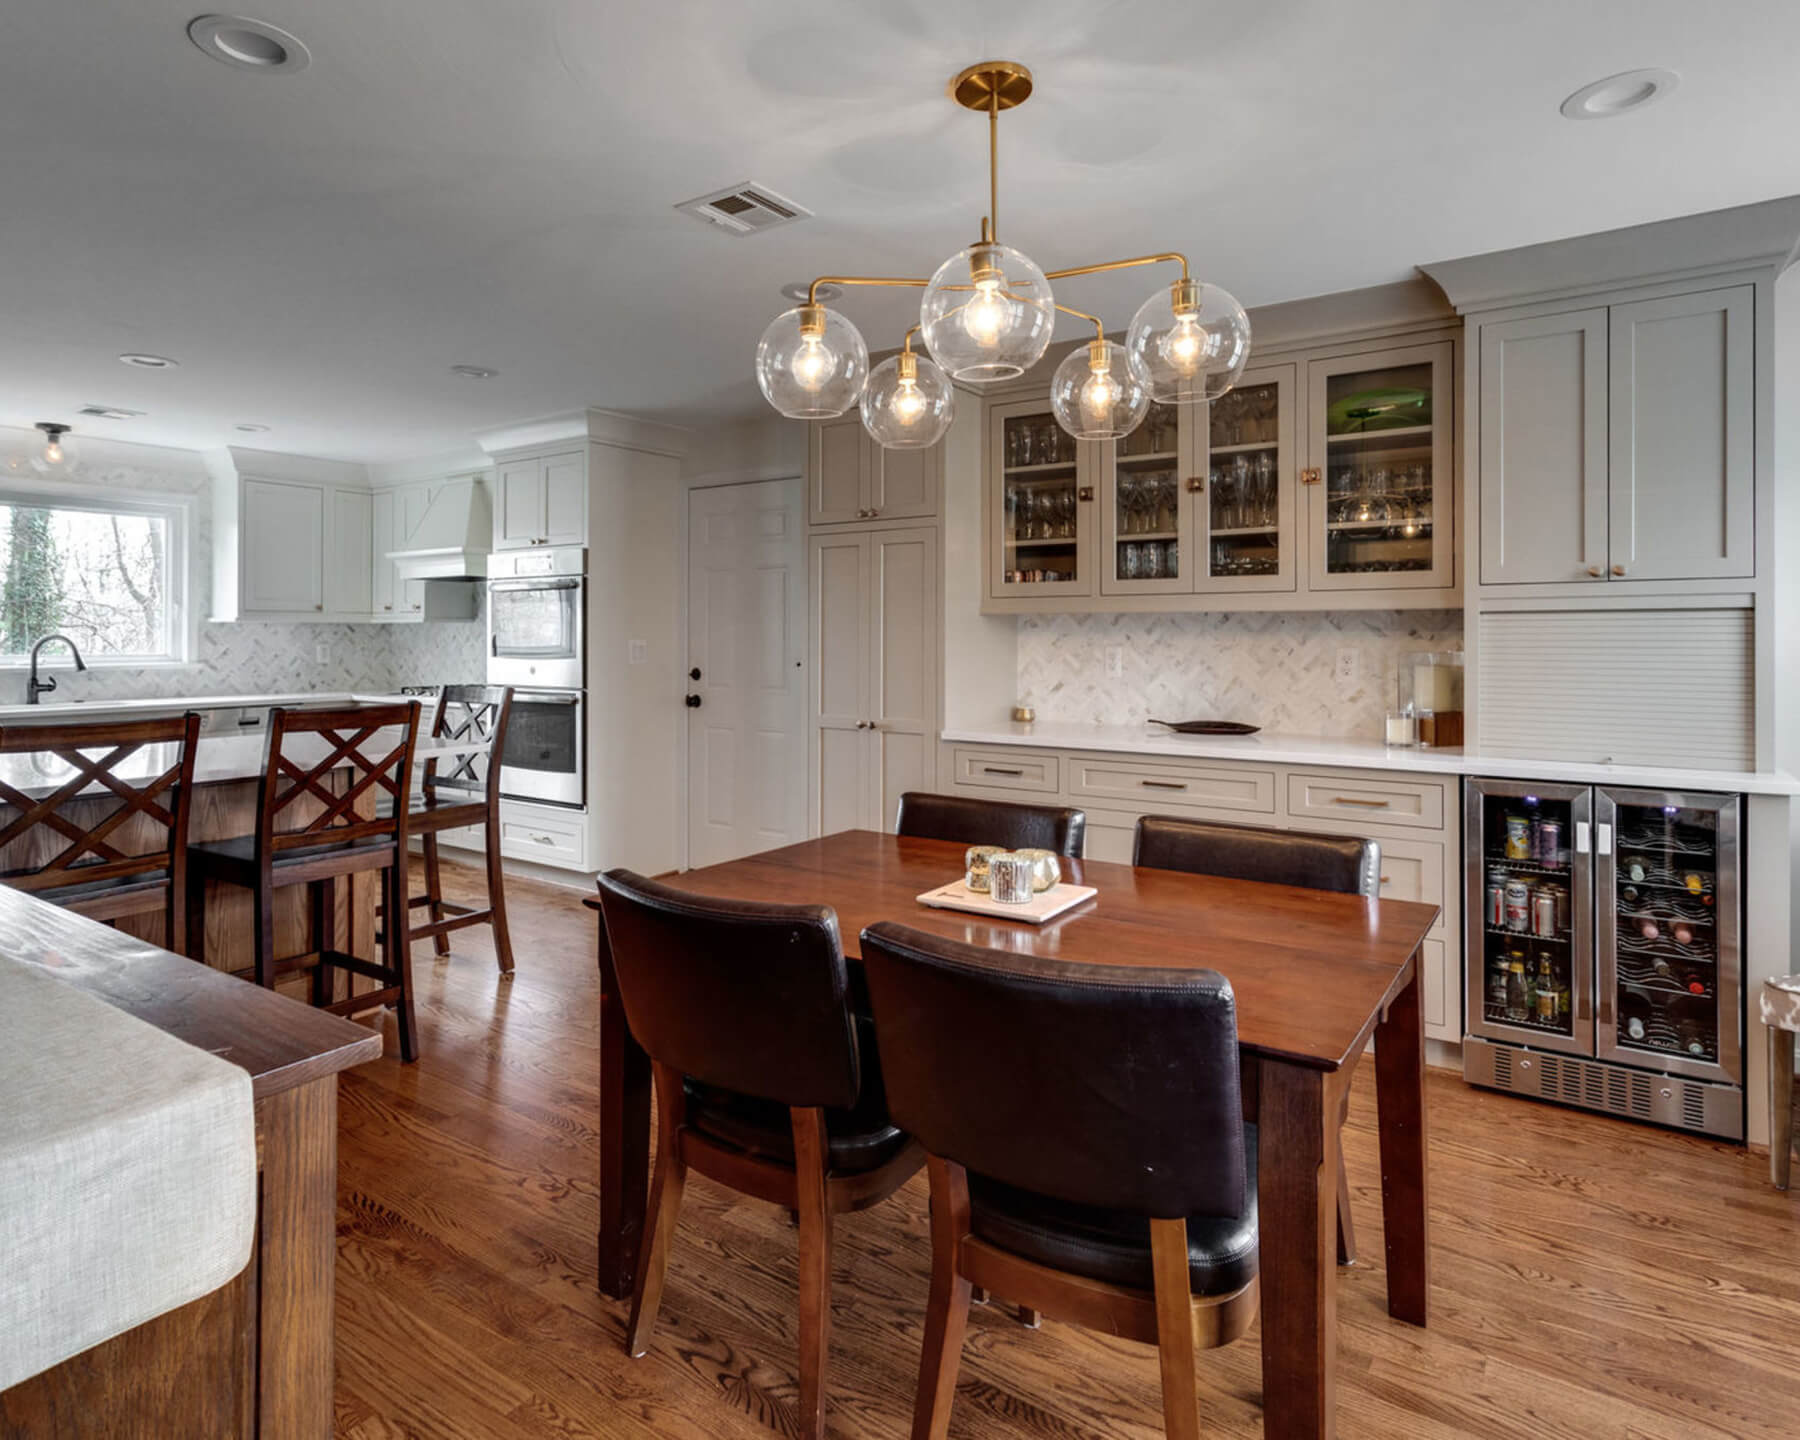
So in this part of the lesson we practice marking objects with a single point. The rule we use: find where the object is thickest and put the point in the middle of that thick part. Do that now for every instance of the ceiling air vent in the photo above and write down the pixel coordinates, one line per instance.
(109, 412)
(745, 209)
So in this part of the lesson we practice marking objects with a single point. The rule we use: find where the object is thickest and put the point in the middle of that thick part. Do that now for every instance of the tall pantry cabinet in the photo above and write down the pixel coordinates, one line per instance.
(873, 628)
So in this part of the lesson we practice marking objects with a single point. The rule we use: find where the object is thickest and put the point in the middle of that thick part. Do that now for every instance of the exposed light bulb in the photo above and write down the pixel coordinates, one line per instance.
(812, 362)
(986, 314)
(908, 404)
(53, 453)
(1100, 394)
(1185, 344)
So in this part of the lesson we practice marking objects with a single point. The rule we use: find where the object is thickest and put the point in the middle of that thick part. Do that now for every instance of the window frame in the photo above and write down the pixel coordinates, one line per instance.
(177, 513)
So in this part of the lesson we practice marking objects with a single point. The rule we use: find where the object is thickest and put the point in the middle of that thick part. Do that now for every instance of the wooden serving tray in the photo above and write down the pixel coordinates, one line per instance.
(1046, 905)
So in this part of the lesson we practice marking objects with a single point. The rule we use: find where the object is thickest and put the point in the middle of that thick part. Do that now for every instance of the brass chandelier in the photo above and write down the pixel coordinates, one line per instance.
(988, 314)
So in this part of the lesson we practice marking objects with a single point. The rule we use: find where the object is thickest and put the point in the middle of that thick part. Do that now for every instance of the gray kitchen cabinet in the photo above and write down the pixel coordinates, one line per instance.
(851, 479)
(1617, 442)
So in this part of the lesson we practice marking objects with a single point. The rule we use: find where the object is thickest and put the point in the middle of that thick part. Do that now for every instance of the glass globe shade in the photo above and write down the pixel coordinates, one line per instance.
(908, 403)
(1095, 393)
(811, 363)
(1188, 342)
(55, 454)
(987, 314)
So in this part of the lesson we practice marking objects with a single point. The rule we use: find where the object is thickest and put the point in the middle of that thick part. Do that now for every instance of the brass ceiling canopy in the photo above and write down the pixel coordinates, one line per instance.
(992, 85)
(988, 314)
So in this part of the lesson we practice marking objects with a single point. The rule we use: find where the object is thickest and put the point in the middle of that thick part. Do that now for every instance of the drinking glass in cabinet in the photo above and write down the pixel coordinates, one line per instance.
(1245, 416)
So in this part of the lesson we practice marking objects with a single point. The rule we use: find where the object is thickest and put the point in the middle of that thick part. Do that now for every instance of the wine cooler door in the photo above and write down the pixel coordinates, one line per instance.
(1666, 897)
(1530, 926)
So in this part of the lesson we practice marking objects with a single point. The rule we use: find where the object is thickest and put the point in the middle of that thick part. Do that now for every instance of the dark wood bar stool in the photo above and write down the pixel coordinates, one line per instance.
(1096, 1166)
(765, 1081)
(1345, 864)
(128, 859)
(310, 833)
(991, 822)
(458, 792)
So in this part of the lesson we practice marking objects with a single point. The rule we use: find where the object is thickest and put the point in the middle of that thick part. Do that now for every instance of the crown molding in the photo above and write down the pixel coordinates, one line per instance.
(601, 427)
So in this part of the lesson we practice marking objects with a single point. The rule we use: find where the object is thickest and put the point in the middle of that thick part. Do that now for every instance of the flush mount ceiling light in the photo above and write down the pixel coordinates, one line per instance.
(247, 44)
(57, 454)
(110, 412)
(149, 362)
(473, 372)
(1617, 94)
(987, 314)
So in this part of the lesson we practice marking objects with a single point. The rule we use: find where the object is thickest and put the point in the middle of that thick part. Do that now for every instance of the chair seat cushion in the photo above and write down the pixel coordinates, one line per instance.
(438, 813)
(857, 1140)
(1112, 1245)
(239, 852)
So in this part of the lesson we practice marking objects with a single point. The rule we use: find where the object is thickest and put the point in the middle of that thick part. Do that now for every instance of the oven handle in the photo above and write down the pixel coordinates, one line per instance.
(544, 584)
(545, 697)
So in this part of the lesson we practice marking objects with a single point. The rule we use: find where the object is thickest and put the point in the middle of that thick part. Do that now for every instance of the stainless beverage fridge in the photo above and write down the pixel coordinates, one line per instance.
(1603, 961)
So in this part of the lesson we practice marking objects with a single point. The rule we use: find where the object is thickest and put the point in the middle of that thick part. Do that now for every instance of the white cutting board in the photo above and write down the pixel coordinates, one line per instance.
(1046, 905)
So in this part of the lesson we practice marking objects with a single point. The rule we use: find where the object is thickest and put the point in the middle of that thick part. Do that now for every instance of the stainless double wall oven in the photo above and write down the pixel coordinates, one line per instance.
(537, 630)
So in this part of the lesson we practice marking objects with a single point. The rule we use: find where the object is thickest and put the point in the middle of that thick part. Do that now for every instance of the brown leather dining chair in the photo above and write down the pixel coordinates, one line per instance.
(968, 821)
(765, 1081)
(1345, 864)
(106, 833)
(458, 792)
(1095, 1166)
(324, 772)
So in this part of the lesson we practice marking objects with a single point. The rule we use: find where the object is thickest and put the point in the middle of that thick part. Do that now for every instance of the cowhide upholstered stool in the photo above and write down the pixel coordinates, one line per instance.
(1781, 1014)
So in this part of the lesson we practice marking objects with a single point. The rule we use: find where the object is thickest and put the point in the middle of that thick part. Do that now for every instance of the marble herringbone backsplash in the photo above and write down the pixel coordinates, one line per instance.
(1270, 669)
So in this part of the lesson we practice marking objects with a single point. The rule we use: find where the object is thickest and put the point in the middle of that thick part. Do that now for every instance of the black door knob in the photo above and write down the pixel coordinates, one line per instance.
(694, 674)
(693, 702)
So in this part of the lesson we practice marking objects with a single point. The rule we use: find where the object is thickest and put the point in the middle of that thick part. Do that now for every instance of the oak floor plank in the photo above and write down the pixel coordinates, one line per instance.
(1591, 1278)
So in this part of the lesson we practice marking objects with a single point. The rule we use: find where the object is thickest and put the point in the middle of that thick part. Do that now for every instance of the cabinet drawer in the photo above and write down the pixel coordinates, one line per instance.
(1367, 800)
(1008, 770)
(1150, 787)
(545, 839)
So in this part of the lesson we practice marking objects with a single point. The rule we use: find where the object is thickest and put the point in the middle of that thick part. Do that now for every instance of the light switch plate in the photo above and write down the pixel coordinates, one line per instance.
(322, 653)
(1346, 667)
(639, 651)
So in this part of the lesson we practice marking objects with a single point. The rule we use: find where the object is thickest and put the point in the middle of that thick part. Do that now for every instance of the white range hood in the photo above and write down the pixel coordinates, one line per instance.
(453, 538)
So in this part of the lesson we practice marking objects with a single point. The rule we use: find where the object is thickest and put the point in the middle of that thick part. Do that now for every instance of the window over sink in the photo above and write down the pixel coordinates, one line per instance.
(107, 568)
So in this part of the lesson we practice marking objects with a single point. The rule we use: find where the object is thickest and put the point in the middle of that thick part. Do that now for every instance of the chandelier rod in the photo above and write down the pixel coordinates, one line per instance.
(994, 163)
(1175, 255)
(1094, 320)
(812, 291)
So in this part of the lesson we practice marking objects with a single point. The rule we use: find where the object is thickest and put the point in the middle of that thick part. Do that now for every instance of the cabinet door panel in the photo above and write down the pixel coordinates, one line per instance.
(352, 551)
(519, 508)
(283, 547)
(1683, 437)
(1543, 449)
(382, 517)
(839, 628)
(903, 664)
(842, 780)
(1040, 527)
(565, 499)
(1145, 510)
(1245, 517)
(837, 483)
(904, 483)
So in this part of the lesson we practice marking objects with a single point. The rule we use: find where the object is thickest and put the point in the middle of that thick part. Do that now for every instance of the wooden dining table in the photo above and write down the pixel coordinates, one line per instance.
(1317, 976)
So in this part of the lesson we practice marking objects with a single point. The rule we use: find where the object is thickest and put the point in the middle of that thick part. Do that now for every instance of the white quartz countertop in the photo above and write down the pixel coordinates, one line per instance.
(76, 710)
(1276, 749)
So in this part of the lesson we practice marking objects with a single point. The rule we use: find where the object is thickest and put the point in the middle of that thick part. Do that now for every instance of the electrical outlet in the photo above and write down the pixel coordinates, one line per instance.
(1115, 661)
(1346, 667)
(322, 653)
(639, 652)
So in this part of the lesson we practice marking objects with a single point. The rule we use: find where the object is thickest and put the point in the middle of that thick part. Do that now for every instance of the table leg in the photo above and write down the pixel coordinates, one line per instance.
(1296, 1189)
(297, 1261)
(624, 1133)
(1400, 1100)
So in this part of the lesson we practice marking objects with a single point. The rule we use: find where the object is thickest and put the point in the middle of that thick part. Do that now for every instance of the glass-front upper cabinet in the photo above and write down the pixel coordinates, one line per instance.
(1041, 514)
(1146, 517)
(1246, 509)
(1381, 475)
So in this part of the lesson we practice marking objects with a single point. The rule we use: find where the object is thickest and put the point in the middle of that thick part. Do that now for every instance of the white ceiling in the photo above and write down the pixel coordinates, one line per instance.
(464, 181)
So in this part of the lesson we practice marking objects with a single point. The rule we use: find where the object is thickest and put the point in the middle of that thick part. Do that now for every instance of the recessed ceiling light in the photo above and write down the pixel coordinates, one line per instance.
(1616, 94)
(252, 429)
(248, 44)
(110, 412)
(797, 292)
(149, 362)
(473, 372)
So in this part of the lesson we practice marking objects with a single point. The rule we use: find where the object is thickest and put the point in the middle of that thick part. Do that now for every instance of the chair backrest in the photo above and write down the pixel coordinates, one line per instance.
(991, 822)
(1109, 1085)
(738, 994)
(370, 749)
(478, 714)
(1344, 863)
(43, 848)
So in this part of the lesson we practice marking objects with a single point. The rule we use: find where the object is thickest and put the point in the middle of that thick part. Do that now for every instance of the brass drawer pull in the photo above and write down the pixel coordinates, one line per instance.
(1311, 475)
(999, 770)
(1352, 800)
(1162, 784)
(1387, 879)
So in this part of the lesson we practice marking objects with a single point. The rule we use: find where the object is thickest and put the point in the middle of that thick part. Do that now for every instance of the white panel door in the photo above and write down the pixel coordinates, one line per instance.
(283, 548)
(747, 643)
(1543, 449)
(519, 507)
(902, 667)
(565, 499)
(350, 571)
(1683, 437)
(840, 593)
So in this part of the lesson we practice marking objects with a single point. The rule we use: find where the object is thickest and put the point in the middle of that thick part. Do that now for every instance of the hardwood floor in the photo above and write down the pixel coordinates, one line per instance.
(1590, 1278)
